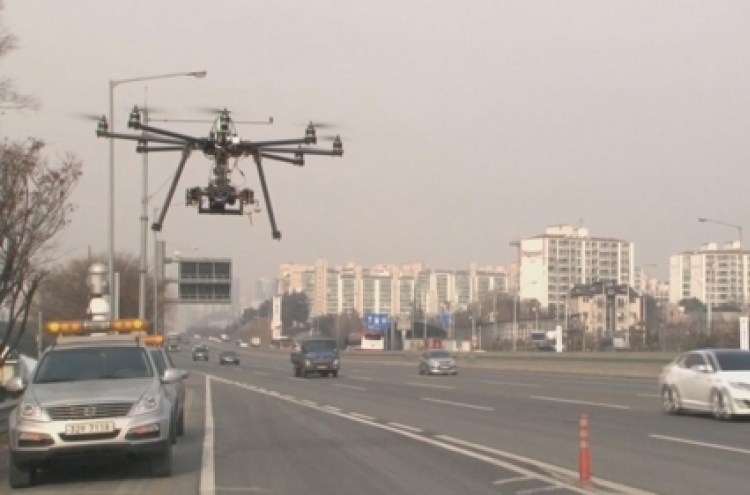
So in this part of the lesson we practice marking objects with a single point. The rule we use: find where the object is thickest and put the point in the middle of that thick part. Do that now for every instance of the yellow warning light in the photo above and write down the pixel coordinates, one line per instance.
(153, 340)
(64, 327)
(83, 327)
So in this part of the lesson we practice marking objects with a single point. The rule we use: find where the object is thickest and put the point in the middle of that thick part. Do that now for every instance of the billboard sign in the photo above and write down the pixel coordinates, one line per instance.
(204, 281)
(378, 322)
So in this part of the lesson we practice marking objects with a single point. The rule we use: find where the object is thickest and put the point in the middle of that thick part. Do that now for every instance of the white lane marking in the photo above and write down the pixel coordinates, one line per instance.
(353, 387)
(571, 487)
(537, 490)
(581, 402)
(701, 444)
(543, 465)
(430, 385)
(208, 479)
(249, 489)
(262, 373)
(510, 480)
(362, 416)
(331, 408)
(308, 402)
(657, 396)
(512, 384)
(360, 378)
(461, 404)
(406, 427)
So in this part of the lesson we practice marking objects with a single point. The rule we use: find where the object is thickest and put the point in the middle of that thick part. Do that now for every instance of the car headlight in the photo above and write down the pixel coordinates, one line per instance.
(148, 403)
(335, 362)
(30, 410)
(307, 362)
(740, 385)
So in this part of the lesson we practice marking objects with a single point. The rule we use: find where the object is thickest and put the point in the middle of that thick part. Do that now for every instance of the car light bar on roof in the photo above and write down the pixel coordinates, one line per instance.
(83, 327)
(153, 340)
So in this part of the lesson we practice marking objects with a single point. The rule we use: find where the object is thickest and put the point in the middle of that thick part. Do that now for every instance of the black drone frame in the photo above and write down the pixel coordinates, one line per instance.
(219, 146)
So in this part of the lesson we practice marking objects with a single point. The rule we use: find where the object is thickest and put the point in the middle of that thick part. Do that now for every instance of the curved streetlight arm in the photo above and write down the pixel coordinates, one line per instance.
(726, 224)
(197, 74)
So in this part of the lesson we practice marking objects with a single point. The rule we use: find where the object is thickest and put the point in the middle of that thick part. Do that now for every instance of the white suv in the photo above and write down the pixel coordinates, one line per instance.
(710, 380)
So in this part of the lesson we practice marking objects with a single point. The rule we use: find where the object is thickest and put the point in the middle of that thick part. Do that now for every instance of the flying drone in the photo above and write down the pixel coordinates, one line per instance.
(220, 196)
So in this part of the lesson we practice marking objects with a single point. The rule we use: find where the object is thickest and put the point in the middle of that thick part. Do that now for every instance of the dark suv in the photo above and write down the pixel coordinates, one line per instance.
(316, 355)
(200, 353)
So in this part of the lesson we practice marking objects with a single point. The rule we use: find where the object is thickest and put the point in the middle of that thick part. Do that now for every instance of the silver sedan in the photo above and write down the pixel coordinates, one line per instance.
(437, 362)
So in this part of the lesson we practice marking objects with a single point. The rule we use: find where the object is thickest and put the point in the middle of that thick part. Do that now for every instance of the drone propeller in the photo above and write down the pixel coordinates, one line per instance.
(210, 110)
(332, 138)
(321, 125)
(91, 117)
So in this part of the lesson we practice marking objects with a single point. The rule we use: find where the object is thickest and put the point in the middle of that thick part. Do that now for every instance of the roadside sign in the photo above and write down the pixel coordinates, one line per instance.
(558, 338)
(745, 333)
(378, 322)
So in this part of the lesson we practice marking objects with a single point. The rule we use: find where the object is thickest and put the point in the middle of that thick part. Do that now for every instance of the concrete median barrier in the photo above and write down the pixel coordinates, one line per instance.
(630, 365)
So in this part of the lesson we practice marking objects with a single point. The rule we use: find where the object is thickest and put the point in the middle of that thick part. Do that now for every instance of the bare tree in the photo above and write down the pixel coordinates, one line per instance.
(10, 97)
(65, 295)
(34, 208)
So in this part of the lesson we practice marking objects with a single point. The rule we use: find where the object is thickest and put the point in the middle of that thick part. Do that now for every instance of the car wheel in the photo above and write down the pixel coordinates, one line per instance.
(181, 425)
(720, 407)
(670, 400)
(161, 464)
(335, 373)
(297, 372)
(20, 476)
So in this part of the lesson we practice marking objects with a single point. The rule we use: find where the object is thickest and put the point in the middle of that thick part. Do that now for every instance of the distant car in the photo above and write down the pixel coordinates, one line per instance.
(437, 362)
(200, 353)
(241, 343)
(711, 380)
(255, 341)
(229, 357)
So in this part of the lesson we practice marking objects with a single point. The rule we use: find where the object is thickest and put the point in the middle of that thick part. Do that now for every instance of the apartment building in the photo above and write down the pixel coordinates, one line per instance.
(713, 274)
(553, 262)
(605, 307)
(393, 289)
(645, 283)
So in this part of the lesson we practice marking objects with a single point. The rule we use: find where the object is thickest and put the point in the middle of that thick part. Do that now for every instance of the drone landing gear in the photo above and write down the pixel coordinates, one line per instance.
(267, 197)
(156, 226)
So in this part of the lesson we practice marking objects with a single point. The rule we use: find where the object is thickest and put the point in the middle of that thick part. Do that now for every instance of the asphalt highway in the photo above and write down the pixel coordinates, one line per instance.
(384, 429)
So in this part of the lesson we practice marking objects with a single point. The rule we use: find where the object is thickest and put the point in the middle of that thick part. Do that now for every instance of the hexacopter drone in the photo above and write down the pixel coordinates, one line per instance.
(220, 196)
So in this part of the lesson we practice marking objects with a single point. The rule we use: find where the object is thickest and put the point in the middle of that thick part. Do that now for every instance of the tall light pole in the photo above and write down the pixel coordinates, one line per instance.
(726, 224)
(144, 212)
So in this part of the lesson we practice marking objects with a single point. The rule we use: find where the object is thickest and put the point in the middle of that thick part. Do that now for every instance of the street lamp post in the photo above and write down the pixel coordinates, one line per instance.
(144, 212)
(739, 231)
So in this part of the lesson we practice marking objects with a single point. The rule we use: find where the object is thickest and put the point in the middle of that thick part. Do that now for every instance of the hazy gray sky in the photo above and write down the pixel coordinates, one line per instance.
(469, 123)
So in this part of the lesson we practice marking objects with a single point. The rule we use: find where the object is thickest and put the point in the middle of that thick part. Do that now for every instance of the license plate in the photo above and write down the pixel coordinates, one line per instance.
(89, 428)
(322, 366)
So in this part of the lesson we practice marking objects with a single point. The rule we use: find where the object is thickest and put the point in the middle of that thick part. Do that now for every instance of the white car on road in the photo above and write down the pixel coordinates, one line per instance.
(709, 380)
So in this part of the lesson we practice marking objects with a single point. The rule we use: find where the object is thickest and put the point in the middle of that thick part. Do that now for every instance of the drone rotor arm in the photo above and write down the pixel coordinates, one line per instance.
(176, 135)
(152, 149)
(280, 142)
(294, 161)
(303, 151)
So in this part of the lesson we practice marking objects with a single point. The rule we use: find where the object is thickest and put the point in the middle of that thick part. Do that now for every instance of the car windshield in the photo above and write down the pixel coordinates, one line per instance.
(100, 363)
(320, 345)
(229, 354)
(734, 361)
(158, 358)
(439, 355)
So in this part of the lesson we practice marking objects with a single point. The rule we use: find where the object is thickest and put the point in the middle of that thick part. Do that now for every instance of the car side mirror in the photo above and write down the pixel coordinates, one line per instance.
(701, 368)
(185, 374)
(15, 384)
(171, 376)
